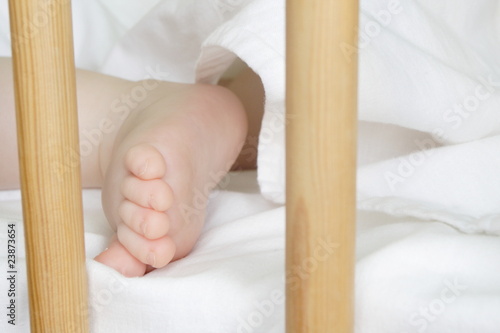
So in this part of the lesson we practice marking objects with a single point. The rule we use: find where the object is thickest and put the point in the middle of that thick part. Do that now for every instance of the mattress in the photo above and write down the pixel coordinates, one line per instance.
(411, 275)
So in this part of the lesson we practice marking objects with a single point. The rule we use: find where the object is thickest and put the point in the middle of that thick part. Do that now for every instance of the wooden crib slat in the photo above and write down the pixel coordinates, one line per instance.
(44, 78)
(321, 163)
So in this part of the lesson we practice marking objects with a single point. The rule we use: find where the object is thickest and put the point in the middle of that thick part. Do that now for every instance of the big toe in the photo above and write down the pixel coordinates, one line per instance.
(116, 256)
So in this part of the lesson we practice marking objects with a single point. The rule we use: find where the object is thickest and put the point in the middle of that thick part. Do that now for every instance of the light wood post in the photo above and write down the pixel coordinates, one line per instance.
(321, 165)
(44, 78)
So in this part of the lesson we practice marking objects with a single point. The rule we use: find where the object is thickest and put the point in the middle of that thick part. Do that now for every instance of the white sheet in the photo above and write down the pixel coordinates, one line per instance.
(412, 276)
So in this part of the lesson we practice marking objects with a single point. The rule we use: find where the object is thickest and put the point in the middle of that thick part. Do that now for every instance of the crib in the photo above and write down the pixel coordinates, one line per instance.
(52, 209)
(426, 249)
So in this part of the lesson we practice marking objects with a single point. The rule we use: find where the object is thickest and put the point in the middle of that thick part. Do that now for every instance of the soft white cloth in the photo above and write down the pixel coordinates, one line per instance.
(429, 86)
(428, 69)
(412, 276)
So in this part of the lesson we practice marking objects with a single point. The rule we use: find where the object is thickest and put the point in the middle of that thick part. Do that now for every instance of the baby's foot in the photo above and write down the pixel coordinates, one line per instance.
(163, 162)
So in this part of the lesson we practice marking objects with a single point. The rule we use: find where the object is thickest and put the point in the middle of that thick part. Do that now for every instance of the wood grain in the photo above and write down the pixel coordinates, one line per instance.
(321, 165)
(44, 79)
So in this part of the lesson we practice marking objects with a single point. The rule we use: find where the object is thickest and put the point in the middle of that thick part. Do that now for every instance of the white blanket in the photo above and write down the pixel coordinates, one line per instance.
(412, 275)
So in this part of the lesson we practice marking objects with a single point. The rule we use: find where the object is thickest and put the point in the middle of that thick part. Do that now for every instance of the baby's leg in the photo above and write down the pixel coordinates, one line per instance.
(9, 170)
(248, 87)
(96, 93)
(175, 151)
(166, 158)
(156, 149)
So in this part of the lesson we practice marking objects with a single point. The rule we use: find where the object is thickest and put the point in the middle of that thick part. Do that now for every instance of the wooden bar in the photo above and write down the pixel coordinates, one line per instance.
(321, 165)
(44, 78)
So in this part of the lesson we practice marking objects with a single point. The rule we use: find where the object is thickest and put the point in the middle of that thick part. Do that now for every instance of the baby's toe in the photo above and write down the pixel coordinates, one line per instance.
(156, 253)
(145, 162)
(155, 194)
(147, 222)
(117, 257)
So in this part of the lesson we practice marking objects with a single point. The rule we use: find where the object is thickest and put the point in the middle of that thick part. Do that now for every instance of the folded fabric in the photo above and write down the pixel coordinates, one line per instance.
(423, 67)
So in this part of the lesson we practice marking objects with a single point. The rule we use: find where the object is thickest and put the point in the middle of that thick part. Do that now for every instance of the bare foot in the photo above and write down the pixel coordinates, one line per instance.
(159, 170)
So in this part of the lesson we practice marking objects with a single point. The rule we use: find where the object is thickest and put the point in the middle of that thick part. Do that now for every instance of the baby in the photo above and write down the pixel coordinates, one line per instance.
(152, 157)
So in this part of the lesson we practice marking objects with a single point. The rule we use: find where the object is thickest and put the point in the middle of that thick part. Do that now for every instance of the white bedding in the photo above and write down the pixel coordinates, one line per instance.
(412, 275)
